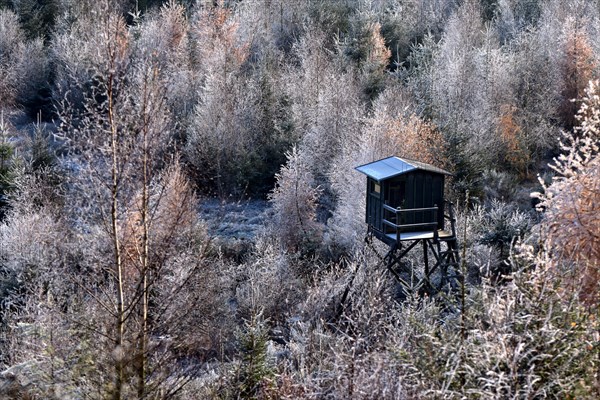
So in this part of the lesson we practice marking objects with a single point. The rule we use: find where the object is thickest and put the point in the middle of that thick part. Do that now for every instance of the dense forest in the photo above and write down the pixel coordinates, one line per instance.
(130, 130)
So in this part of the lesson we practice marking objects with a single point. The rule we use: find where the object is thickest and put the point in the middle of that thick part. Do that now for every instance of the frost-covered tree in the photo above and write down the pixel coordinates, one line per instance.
(326, 107)
(365, 47)
(306, 83)
(11, 36)
(272, 24)
(24, 70)
(221, 130)
(164, 40)
(537, 92)
(133, 242)
(467, 87)
(512, 17)
(499, 225)
(578, 68)
(294, 201)
(571, 225)
(110, 287)
(78, 53)
(405, 23)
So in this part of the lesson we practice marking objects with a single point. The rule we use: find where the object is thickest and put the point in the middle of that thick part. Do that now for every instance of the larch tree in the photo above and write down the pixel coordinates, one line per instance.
(164, 39)
(135, 248)
(365, 48)
(457, 90)
(220, 132)
(124, 139)
(11, 35)
(295, 200)
(306, 83)
(571, 225)
(536, 93)
(271, 24)
(327, 107)
(404, 23)
(24, 69)
(578, 68)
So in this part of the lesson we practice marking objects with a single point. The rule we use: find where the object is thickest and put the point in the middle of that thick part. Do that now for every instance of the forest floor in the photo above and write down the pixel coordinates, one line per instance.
(240, 220)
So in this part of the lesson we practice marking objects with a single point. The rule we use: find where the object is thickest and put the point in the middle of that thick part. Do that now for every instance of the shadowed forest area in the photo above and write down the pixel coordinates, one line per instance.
(180, 217)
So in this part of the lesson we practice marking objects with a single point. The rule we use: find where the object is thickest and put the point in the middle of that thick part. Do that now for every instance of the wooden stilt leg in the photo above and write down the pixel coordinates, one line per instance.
(426, 258)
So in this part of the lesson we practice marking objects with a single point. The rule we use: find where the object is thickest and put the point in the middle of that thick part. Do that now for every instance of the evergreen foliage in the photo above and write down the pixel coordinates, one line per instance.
(7, 168)
(254, 373)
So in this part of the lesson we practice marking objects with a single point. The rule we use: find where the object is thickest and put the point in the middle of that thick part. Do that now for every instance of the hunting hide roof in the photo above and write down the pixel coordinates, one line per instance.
(393, 166)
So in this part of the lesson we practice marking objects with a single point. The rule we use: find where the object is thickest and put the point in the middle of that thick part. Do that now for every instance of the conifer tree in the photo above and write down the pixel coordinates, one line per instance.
(7, 167)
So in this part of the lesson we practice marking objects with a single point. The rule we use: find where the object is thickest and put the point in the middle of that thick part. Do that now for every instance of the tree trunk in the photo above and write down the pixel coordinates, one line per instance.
(118, 264)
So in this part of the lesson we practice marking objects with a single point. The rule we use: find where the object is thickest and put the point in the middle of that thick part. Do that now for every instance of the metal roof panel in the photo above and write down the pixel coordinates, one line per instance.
(427, 167)
(393, 166)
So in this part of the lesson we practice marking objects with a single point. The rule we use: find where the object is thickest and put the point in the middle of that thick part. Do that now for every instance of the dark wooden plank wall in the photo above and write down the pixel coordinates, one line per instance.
(419, 189)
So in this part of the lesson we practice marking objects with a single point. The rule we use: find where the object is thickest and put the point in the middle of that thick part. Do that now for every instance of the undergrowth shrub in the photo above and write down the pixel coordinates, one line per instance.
(524, 339)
